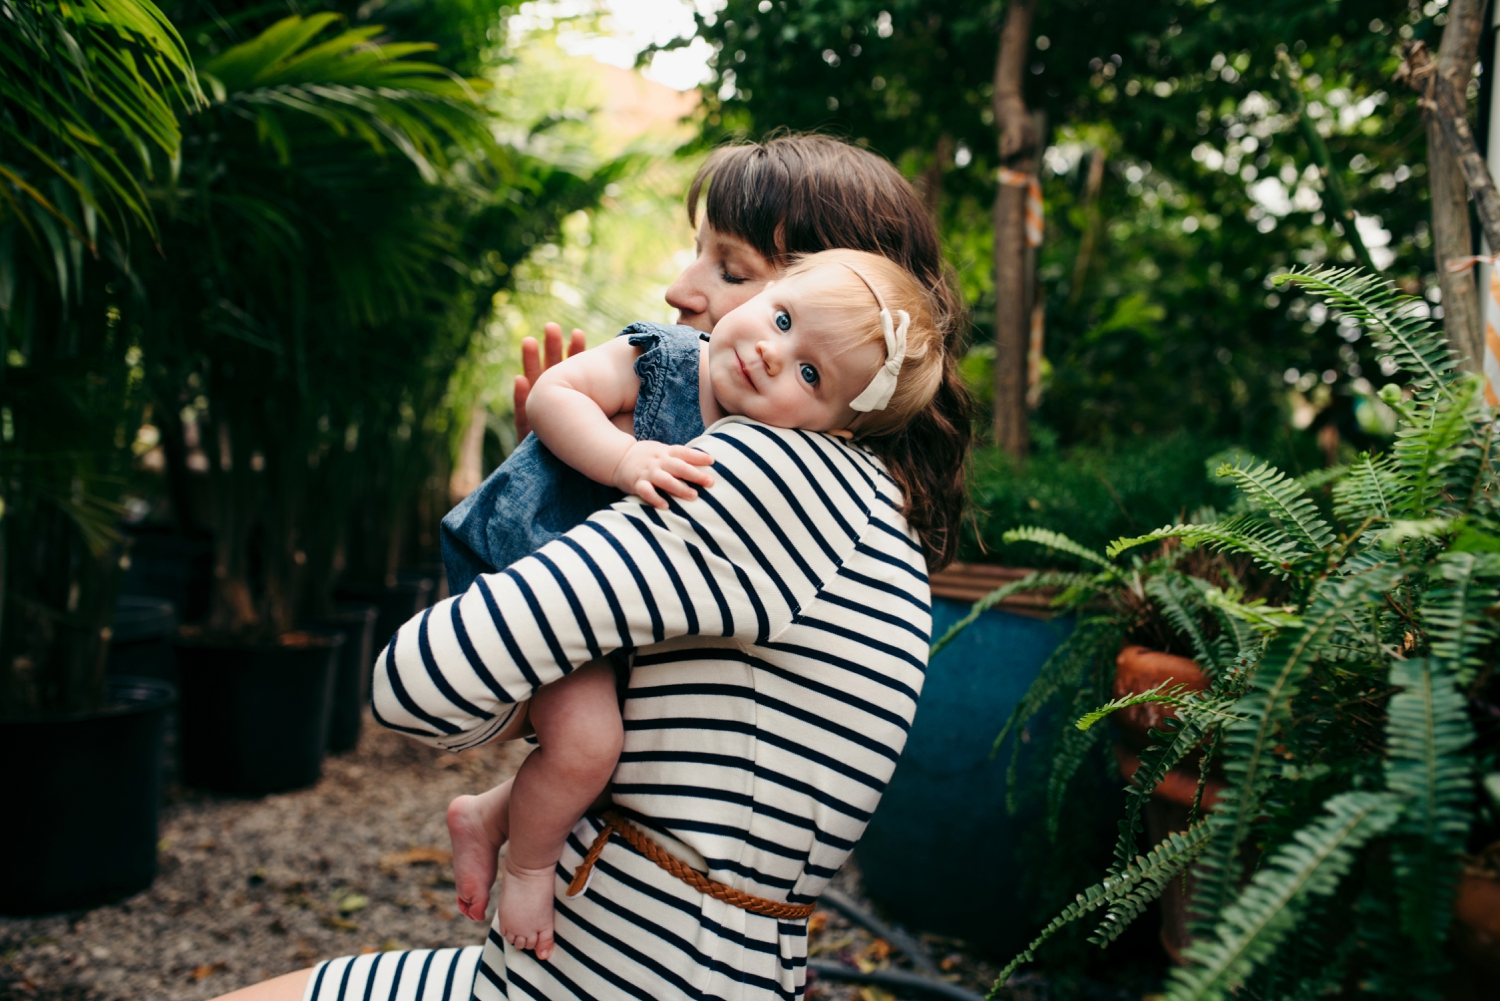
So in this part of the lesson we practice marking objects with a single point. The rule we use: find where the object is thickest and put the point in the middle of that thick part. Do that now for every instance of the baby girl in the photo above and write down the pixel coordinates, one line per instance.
(845, 343)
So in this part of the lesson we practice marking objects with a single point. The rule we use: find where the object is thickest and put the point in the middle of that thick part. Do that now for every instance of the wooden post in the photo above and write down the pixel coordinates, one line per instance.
(1452, 237)
(1020, 142)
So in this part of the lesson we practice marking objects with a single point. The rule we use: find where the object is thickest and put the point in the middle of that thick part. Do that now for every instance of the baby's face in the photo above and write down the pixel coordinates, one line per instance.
(784, 359)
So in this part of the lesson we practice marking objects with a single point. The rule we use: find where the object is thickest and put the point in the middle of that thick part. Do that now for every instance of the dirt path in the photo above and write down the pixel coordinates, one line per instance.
(250, 889)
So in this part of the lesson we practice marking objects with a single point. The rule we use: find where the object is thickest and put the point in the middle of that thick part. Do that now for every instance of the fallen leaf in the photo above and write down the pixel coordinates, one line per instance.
(817, 922)
(343, 924)
(366, 950)
(879, 949)
(393, 945)
(208, 970)
(416, 856)
(353, 902)
(875, 994)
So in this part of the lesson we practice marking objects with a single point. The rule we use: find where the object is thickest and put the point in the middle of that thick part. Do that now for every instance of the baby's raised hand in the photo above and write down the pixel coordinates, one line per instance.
(650, 466)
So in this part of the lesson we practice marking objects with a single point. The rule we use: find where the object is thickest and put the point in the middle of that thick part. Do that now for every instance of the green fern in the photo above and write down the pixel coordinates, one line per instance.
(1182, 604)
(1397, 330)
(1073, 747)
(1262, 711)
(1130, 890)
(1266, 544)
(1034, 581)
(1431, 448)
(1367, 492)
(1427, 731)
(1059, 542)
(1284, 500)
(1455, 610)
(1165, 693)
(1250, 928)
(1255, 614)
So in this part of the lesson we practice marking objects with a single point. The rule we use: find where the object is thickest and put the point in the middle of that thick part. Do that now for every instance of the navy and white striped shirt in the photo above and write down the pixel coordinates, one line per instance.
(781, 623)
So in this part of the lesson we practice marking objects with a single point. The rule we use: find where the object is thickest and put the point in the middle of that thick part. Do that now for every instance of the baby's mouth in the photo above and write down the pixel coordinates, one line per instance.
(744, 372)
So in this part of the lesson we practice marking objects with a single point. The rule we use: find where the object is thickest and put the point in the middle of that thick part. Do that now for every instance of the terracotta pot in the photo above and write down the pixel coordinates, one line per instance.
(1138, 670)
(1476, 937)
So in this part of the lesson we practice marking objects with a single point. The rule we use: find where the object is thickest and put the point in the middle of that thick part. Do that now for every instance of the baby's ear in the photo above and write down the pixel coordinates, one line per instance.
(843, 433)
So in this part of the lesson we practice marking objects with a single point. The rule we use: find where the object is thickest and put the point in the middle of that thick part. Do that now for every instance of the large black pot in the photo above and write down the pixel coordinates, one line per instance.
(140, 639)
(179, 568)
(351, 682)
(81, 799)
(397, 603)
(255, 717)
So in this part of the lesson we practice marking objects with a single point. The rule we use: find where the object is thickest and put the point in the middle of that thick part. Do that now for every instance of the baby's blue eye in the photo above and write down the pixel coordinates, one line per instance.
(783, 320)
(809, 375)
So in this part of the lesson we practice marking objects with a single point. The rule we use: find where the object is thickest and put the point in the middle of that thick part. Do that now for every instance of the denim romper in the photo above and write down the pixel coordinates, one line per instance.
(534, 497)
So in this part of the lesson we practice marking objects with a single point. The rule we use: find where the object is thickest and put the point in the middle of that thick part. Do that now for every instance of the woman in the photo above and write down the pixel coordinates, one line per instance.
(780, 624)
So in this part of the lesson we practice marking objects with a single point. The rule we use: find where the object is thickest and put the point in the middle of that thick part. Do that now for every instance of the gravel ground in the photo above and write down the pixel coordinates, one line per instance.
(250, 889)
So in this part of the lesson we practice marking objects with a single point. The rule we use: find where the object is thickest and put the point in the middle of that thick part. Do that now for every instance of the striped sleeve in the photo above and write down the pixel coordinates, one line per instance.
(742, 561)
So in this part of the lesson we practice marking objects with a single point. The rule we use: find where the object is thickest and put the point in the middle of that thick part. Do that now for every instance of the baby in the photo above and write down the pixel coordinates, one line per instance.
(845, 343)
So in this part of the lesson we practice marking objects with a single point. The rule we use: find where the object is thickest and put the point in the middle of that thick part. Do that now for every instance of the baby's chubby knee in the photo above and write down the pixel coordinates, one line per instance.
(577, 723)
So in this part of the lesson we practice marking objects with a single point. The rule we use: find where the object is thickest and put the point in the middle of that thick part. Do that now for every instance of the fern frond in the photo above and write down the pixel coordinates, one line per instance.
(1427, 732)
(1257, 614)
(1143, 879)
(1182, 603)
(1433, 440)
(1166, 692)
(1265, 544)
(1262, 711)
(1320, 478)
(1059, 542)
(1312, 863)
(1367, 493)
(1031, 582)
(1073, 746)
(1455, 610)
(1284, 501)
(1409, 337)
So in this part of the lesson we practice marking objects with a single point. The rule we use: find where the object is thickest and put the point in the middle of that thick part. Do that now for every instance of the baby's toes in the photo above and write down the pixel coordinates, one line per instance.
(544, 944)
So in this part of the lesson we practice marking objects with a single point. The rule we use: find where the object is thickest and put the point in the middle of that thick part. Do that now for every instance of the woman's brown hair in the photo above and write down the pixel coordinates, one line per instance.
(793, 195)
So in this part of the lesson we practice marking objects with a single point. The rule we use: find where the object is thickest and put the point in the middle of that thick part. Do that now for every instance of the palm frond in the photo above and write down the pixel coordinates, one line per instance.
(1427, 732)
(1311, 864)
(1139, 883)
(1406, 334)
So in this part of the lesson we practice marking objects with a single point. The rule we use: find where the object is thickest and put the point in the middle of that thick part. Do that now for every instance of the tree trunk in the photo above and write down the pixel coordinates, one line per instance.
(1452, 236)
(1019, 149)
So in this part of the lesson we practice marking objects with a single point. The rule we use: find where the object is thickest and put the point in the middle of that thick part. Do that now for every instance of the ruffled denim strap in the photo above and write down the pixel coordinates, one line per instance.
(667, 408)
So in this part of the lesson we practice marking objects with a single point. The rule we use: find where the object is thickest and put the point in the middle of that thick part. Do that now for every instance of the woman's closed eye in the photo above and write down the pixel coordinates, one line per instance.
(731, 279)
(809, 374)
(783, 320)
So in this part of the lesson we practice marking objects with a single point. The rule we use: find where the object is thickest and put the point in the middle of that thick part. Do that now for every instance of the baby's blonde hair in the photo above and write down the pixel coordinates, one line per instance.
(922, 368)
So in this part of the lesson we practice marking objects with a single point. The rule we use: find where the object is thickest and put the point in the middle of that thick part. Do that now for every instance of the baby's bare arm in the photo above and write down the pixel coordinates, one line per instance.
(571, 406)
(572, 409)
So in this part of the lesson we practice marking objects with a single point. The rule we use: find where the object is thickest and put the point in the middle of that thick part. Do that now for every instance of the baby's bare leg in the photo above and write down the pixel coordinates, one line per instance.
(579, 734)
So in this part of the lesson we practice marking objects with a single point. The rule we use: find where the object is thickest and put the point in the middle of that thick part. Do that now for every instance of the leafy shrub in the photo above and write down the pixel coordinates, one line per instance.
(1343, 716)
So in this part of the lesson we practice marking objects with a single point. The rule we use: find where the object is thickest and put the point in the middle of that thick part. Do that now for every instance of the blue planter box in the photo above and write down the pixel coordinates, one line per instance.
(941, 854)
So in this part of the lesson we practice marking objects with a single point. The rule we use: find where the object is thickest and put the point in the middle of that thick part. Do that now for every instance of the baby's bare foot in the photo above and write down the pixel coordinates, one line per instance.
(477, 837)
(525, 910)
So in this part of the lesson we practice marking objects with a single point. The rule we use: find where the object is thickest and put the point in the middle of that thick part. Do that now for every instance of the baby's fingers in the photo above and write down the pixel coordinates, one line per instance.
(692, 474)
(696, 456)
(646, 492)
(667, 483)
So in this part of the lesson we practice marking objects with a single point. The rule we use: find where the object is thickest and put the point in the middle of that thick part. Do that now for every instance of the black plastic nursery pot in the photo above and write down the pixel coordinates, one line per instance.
(397, 603)
(255, 717)
(165, 564)
(351, 681)
(82, 796)
(140, 644)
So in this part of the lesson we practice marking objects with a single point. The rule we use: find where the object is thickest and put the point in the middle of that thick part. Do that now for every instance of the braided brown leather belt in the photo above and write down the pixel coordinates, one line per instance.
(614, 823)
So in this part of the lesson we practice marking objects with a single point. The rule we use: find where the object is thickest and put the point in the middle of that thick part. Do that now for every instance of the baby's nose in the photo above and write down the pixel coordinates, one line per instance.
(770, 358)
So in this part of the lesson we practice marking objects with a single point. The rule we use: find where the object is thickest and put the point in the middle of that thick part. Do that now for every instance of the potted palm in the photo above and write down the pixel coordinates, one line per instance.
(69, 399)
(1352, 724)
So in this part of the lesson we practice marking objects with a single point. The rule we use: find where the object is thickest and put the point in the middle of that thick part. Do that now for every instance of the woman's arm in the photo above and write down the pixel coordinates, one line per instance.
(741, 561)
(571, 409)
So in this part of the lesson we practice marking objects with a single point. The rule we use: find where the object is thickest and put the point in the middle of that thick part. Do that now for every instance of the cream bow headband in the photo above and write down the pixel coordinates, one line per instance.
(878, 393)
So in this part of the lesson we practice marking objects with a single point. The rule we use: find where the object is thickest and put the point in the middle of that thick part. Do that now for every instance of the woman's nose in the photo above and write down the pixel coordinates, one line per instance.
(770, 358)
(686, 295)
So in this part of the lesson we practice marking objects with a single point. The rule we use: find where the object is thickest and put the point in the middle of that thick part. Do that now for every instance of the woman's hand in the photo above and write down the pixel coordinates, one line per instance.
(650, 466)
(531, 367)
